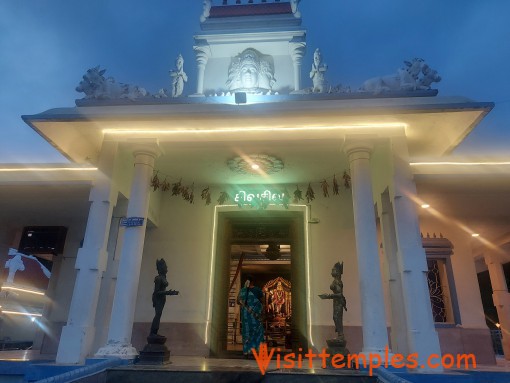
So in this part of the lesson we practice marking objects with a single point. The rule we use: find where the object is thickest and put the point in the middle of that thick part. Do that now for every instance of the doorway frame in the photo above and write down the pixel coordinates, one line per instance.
(216, 318)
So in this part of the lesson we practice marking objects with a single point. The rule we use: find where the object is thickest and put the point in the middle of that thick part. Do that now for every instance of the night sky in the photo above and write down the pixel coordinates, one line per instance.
(47, 45)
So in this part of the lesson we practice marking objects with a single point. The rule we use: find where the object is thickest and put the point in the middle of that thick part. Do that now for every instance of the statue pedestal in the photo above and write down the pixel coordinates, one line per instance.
(155, 352)
(337, 346)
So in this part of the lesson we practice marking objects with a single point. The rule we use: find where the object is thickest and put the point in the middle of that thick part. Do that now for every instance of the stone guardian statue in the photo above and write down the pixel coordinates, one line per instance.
(155, 352)
(337, 345)
(159, 295)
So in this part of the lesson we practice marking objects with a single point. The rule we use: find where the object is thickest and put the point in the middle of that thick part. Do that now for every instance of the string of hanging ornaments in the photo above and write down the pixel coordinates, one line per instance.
(259, 201)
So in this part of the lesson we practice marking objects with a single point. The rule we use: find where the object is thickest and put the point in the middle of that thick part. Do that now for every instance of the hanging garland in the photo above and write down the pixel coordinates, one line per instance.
(258, 201)
(206, 195)
(310, 195)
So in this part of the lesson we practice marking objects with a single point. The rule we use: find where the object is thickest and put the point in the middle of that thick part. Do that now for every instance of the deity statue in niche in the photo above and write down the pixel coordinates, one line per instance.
(278, 300)
(251, 72)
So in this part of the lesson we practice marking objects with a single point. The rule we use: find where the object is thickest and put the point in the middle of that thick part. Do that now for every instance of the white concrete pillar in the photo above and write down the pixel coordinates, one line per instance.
(422, 337)
(202, 53)
(77, 336)
(375, 334)
(398, 334)
(126, 289)
(501, 299)
(297, 51)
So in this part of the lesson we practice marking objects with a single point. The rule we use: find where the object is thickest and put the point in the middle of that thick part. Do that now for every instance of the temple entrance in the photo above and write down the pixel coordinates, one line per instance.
(269, 246)
(270, 266)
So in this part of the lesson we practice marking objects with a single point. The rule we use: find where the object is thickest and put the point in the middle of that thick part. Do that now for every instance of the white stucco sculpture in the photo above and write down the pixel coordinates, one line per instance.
(317, 72)
(96, 86)
(252, 72)
(294, 6)
(179, 77)
(14, 264)
(406, 79)
(206, 11)
(429, 76)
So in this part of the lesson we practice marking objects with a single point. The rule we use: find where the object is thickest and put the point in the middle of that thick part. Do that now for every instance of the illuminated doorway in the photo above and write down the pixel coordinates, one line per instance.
(252, 232)
(270, 266)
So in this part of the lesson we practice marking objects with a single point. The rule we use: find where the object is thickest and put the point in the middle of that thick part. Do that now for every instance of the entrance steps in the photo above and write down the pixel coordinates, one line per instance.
(151, 374)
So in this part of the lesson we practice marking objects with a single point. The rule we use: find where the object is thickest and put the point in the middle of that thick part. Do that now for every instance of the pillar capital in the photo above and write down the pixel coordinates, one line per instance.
(297, 50)
(147, 147)
(494, 256)
(202, 52)
(358, 149)
(496, 272)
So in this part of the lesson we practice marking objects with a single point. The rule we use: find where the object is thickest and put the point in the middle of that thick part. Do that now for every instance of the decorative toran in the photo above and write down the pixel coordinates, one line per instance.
(259, 198)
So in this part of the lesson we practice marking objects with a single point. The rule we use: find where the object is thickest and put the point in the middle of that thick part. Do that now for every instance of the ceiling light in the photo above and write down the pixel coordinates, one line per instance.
(255, 164)
(425, 206)
(475, 235)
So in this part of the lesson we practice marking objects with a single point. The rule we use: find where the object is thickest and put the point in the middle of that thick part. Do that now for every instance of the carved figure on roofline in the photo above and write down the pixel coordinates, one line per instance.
(339, 302)
(179, 77)
(251, 72)
(317, 73)
(429, 76)
(96, 86)
(206, 11)
(294, 6)
(416, 75)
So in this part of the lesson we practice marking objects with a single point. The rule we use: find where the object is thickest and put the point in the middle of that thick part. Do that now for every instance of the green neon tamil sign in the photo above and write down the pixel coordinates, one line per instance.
(261, 199)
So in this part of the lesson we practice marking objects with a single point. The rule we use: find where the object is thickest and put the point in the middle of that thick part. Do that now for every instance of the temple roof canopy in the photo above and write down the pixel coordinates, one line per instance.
(433, 126)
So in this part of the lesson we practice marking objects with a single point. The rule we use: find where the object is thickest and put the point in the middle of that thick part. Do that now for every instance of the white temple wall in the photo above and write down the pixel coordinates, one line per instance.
(333, 240)
(463, 264)
(184, 238)
(472, 334)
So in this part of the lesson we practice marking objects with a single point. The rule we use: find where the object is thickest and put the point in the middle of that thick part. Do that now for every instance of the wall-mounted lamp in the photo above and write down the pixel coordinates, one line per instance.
(240, 97)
